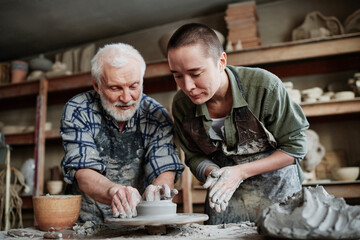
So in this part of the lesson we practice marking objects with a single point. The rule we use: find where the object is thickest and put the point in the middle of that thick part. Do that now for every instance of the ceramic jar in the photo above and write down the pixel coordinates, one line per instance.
(19, 70)
(40, 63)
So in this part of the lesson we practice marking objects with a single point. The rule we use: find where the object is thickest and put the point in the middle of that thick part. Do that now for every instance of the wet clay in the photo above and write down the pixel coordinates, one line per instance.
(156, 208)
(158, 213)
(311, 214)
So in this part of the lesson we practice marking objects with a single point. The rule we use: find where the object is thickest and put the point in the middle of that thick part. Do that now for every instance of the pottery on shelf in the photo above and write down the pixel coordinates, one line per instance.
(19, 70)
(345, 173)
(317, 25)
(28, 170)
(40, 63)
(344, 95)
(54, 187)
(352, 22)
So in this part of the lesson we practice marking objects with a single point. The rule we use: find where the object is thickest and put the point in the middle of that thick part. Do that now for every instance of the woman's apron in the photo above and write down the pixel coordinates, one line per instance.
(254, 142)
(124, 160)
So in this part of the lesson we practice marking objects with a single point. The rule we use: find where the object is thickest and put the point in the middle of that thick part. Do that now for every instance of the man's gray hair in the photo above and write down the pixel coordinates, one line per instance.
(117, 55)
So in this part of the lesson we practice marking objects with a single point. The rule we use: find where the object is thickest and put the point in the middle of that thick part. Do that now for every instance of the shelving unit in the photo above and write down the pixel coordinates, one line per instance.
(286, 59)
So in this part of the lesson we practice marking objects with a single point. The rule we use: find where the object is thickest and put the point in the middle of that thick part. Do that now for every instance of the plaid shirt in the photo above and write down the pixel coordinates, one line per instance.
(80, 124)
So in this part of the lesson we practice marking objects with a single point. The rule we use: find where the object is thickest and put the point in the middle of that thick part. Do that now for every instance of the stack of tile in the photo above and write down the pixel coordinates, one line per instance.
(241, 21)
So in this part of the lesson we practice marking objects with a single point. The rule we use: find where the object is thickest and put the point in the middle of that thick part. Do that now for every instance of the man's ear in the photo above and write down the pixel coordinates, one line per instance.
(95, 85)
(222, 61)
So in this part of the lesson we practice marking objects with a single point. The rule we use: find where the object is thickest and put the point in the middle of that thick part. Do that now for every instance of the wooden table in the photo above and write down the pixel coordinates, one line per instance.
(241, 231)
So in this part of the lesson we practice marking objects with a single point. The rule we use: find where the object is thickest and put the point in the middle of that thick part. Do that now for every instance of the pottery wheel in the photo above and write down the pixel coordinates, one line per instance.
(179, 218)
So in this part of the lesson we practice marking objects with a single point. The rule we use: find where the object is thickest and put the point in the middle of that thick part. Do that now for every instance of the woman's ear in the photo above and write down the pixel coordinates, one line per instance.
(222, 61)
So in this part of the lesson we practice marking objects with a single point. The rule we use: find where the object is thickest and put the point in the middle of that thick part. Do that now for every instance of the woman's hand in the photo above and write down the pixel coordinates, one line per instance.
(222, 183)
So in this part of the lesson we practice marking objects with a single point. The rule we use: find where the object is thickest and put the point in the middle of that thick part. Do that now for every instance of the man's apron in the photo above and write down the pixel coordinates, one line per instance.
(254, 142)
(124, 157)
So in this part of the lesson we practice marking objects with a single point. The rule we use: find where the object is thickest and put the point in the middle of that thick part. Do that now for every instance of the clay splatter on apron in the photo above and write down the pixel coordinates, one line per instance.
(123, 155)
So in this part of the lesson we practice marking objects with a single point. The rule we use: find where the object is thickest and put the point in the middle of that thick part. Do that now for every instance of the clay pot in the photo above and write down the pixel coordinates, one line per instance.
(19, 70)
(40, 63)
(54, 187)
(56, 213)
(156, 208)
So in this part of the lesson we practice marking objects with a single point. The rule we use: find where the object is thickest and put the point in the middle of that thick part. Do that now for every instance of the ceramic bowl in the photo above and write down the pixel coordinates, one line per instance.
(54, 187)
(346, 173)
(56, 213)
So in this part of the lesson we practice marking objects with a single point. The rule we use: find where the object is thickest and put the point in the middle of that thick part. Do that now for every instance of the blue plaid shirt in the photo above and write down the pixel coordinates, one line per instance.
(80, 123)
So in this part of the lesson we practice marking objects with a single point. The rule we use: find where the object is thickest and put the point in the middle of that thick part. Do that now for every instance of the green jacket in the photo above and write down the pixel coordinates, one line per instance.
(266, 97)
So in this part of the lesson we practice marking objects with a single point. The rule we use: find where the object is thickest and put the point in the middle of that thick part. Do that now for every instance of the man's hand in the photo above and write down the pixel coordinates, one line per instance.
(124, 201)
(222, 184)
(157, 193)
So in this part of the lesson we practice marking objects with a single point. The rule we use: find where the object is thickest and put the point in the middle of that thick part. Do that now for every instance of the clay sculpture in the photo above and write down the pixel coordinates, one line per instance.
(316, 25)
(316, 151)
(163, 208)
(311, 214)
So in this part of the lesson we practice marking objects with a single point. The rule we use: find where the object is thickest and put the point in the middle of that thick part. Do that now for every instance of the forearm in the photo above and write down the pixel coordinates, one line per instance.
(95, 185)
(165, 178)
(273, 162)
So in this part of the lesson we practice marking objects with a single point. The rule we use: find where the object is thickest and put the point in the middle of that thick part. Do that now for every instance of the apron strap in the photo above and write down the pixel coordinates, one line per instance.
(238, 82)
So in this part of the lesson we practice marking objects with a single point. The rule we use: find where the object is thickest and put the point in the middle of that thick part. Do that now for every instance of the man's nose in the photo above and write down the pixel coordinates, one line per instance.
(125, 96)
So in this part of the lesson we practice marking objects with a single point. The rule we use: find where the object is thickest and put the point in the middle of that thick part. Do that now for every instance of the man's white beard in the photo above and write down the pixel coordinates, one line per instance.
(112, 110)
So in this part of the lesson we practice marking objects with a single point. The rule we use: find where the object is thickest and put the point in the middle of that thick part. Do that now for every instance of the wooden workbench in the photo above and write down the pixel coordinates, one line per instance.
(244, 231)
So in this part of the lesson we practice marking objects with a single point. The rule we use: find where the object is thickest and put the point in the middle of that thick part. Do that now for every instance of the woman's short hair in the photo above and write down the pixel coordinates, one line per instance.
(196, 33)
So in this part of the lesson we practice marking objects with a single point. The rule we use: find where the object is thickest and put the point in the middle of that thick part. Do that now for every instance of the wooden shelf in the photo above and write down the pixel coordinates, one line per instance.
(297, 50)
(334, 107)
(29, 137)
(347, 46)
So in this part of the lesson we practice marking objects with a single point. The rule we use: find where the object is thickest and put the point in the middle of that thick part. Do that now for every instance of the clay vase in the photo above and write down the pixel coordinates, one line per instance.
(40, 63)
(19, 70)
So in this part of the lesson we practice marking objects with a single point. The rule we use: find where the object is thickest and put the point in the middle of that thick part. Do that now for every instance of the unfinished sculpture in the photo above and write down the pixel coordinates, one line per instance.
(163, 208)
(316, 151)
(316, 25)
(311, 214)
(352, 22)
(158, 213)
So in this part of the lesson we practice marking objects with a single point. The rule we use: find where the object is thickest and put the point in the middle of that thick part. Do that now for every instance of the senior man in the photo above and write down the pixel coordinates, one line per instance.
(118, 141)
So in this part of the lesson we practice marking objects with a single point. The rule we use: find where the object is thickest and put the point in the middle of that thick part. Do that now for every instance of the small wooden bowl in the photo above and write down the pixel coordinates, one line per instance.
(56, 213)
